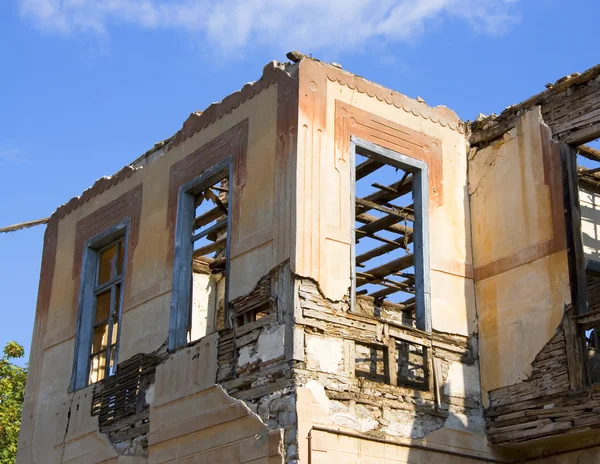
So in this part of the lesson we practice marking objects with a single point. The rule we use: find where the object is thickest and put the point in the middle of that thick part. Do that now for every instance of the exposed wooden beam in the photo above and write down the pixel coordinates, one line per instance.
(219, 226)
(368, 255)
(208, 217)
(379, 224)
(395, 190)
(367, 167)
(573, 116)
(365, 218)
(211, 247)
(360, 233)
(24, 225)
(393, 266)
(588, 152)
(399, 212)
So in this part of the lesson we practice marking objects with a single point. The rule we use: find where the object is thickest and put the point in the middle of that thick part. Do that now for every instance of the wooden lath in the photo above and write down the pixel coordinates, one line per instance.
(392, 191)
(401, 213)
(217, 232)
(214, 214)
(367, 167)
(391, 267)
(365, 218)
(378, 251)
(211, 247)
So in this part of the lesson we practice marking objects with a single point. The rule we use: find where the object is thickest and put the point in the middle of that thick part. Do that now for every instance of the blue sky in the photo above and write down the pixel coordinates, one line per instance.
(87, 86)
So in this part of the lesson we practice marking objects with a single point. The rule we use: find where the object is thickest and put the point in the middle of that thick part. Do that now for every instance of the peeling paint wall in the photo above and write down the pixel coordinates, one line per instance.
(146, 308)
(331, 109)
(194, 420)
(445, 416)
(519, 249)
(299, 377)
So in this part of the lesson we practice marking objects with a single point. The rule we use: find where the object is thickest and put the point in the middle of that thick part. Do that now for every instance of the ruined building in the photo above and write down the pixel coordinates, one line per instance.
(318, 269)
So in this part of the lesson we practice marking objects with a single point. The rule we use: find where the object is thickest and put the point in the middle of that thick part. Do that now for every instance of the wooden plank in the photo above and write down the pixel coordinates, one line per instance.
(379, 224)
(588, 152)
(392, 266)
(364, 205)
(208, 217)
(218, 245)
(367, 255)
(367, 167)
(219, 226)
(360, 234)
(365, 218)
(403, 286)
(576, 256)
(575, 357)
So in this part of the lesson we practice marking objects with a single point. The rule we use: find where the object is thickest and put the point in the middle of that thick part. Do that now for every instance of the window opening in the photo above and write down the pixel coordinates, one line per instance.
(107, 311)
(100, 310)
(390, 261)
(371, 362)
(209, 260)
(591, 335)
(588, 170)
(199, 298)
(411, 362)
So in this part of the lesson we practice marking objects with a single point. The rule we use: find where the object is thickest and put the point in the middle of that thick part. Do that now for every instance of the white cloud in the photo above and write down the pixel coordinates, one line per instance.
(309, 25)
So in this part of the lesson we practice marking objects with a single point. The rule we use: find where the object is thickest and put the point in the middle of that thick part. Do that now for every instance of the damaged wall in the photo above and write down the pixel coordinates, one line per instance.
(259, 241)
(194, 420)
(444, 413)
(299, 377)
(519, 249)
(334, 105)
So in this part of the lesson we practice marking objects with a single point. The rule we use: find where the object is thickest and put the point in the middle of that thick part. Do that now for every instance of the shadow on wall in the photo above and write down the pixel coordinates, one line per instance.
(461, 380)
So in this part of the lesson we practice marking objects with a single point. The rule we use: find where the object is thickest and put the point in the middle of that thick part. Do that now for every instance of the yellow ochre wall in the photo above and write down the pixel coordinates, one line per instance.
(323, 191)
(519, 251)
(145, 322)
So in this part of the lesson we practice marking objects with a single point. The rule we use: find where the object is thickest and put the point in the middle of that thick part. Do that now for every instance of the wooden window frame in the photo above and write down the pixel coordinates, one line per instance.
(578, 319)
(182, 265)
(419, 170)
(389, 350)
(87, 296)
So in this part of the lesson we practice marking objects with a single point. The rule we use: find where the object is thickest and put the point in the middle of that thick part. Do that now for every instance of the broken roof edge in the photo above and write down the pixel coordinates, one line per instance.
(199, 120)
(194, 123)
(561, 85)
(272, 71)
(439, 114)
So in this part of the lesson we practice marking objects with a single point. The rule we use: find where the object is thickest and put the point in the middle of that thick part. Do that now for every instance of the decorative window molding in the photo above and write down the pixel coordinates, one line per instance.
(388, 274)
(100, 307)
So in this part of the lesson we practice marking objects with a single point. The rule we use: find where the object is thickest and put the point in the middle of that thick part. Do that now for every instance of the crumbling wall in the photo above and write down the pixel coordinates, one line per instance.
(335, 105)
(253, 358)
(544, 404)
(194, 420)
(247, 126)
(332, 393)
(519, 249)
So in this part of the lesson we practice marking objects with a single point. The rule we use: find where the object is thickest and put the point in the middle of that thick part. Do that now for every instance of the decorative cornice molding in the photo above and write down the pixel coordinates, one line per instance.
(201, 119)
(441, 115)
(271, 73)
(99, 186)
(194, 123)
